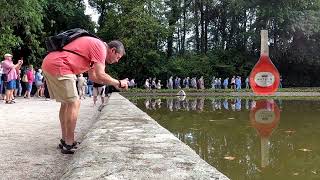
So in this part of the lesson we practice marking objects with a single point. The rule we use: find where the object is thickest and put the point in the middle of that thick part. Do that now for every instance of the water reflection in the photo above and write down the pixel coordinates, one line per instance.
(248, 131)
(198, 104)
(265, 117)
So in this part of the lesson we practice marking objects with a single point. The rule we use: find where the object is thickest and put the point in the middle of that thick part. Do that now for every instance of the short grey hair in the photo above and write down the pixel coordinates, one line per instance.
(118, 46)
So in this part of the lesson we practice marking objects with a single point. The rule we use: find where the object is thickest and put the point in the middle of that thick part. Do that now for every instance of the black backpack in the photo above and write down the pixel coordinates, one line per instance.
(57, 42)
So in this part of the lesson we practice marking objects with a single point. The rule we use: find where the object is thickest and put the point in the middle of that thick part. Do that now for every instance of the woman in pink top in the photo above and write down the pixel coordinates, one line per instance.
(30, 76)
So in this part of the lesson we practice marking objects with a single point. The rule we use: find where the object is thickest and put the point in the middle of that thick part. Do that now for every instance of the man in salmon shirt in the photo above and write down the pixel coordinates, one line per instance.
(60, 69)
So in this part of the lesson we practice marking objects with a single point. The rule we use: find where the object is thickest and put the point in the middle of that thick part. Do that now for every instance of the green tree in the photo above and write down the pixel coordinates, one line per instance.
(20, 28)
(63, 15)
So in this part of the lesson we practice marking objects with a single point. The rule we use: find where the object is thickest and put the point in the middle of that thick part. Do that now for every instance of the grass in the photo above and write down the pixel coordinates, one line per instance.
(299, 89)
(219, 93)
(316, 98)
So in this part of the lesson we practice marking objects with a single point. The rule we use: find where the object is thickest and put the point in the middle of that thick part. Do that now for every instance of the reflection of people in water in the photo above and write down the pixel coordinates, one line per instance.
(185, 105)
(238, 104)
(153, 105)
(193, 104)
(216, 104)
(280, 104)
(226, 104)
(200, 104)
(247, 104)
(253, 104)
(170, 104)
(219, 104)
(158, 102)
(233, 104)
(147, 103)
(177, 105)
(213, 104)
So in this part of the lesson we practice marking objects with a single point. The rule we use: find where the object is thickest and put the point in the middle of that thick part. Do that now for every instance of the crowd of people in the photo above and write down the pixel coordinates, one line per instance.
(234, 83)
(17, 80)
(27, 81)
(216, 83)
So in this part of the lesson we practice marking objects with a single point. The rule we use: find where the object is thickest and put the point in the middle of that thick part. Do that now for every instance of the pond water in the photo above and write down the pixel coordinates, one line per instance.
(243, 138)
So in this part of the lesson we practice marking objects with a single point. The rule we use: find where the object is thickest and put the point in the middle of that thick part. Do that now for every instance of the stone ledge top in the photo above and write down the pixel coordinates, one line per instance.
(125, 143)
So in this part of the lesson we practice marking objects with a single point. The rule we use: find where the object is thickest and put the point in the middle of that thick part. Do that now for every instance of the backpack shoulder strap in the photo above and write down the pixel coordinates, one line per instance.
(73, 52)
(91, 62)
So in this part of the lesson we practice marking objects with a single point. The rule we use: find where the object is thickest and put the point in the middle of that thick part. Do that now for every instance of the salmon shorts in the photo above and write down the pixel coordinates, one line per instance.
(62, 88)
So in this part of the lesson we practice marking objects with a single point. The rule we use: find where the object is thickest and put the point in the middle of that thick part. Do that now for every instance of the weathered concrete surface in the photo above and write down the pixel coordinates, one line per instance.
(29, 135)
(125, 143)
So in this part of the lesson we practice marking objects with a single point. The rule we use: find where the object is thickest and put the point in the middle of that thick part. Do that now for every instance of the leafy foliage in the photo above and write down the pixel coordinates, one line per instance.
(180, 38)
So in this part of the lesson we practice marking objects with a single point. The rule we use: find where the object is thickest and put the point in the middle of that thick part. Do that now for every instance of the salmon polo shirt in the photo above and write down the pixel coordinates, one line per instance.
(59, 63)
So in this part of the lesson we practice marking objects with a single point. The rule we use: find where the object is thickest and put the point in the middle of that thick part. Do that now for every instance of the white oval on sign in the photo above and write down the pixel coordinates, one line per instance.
(264, 79)
(264, 116)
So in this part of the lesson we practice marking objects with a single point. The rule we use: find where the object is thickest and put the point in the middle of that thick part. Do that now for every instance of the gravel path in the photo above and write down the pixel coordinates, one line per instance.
(29, 135)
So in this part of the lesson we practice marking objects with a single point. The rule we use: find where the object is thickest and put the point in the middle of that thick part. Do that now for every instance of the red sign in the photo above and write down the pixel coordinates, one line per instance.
(264, 78)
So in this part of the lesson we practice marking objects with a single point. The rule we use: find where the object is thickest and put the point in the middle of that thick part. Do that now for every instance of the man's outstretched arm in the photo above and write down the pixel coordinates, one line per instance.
(98, 75)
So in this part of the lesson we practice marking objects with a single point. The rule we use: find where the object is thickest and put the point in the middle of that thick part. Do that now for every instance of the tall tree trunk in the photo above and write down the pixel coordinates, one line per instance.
(232, 38)
(186, 4)
(223, 25)
(202, 25)
(206, 21)
(172, 18)
(102, 15)
(179, 42)
(170, 41)
(196, 23)
(184, 31)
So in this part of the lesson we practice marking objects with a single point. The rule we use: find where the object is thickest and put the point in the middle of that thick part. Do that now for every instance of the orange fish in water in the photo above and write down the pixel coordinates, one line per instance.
(229, 158)
(305, 150)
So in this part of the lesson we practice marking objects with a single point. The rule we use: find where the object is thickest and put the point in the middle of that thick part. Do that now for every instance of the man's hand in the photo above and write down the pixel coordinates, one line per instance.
(19, 64)
(98, 75)
(124, 84)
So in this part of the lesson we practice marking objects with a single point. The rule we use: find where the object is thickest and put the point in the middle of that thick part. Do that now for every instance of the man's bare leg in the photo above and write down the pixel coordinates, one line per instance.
(62, 112)
(94, 100)
(9, 94)
(71, 116)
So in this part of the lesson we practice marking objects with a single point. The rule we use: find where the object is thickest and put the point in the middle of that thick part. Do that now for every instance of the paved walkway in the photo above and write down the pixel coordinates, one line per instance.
(29, 135)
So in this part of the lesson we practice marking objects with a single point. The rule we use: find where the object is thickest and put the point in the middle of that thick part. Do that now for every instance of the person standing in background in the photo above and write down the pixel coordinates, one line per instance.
(18, 90)
(1, 81)
(90, 87)
(9, 70)
(82, 83)
(39, 83)
(226, 83)
(30, 77)
(247, 83)
(98, 90)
